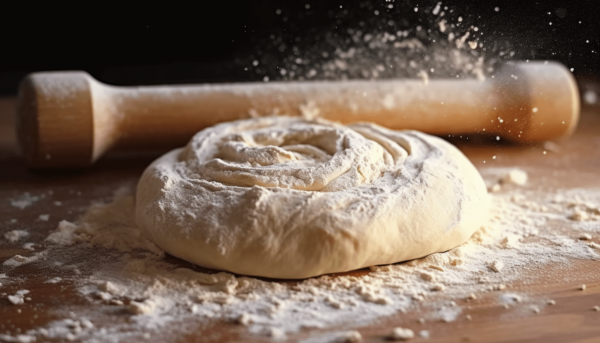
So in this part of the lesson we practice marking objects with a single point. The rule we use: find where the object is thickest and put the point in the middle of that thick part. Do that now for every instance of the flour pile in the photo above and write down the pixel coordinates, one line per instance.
(530, 229)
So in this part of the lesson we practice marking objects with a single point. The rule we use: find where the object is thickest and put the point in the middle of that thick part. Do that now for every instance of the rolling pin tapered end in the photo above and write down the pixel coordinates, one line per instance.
(543, 96)
(55, 120)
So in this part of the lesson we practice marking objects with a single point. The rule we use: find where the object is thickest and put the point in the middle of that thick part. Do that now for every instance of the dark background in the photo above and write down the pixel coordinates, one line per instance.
(213, 40)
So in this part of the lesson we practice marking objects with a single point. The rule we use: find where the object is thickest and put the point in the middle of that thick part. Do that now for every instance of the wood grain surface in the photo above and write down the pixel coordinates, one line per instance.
(573, 163)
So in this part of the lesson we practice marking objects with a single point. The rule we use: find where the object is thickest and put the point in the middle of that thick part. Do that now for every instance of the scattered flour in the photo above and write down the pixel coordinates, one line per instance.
(515, 176)
(528, 230)
(17, 338)
(590, 97)
(24, 200)
(497, 266)
(15, 235)
(401, 334)
(349, 337)
(18, 298)
(510, 298)
(435, 46)
(19, 260)
(144, 307)
(54, 280)
(29, 246)
(496, 178)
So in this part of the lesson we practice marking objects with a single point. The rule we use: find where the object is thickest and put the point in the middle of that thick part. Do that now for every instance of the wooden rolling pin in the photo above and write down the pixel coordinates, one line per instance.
(68, 119)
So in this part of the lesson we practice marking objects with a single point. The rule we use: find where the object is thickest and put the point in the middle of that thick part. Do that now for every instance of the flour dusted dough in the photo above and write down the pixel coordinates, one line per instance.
(292, 198)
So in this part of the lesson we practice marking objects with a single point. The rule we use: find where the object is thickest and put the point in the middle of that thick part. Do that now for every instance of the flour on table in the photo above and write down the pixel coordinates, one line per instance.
(585, 237)
(54, 280)
(497, 266)
(159, 295)
(496, 178)
(15, 235)
(349, 337)
(29, 246)
(19, 260)
(515, 176)
(24, 200)
(401, 334)
(18, 298)
(17, 338)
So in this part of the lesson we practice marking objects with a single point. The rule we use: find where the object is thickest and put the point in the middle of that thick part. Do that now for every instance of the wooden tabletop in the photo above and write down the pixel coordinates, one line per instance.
(569, 164)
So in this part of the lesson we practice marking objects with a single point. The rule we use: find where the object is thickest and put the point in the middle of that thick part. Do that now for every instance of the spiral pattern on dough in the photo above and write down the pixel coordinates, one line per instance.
(286, 197)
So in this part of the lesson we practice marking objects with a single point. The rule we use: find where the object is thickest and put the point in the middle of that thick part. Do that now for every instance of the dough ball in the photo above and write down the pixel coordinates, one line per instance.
(292, 198)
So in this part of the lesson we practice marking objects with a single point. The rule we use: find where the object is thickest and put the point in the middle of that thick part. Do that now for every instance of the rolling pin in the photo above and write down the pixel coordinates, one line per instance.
(68, 119)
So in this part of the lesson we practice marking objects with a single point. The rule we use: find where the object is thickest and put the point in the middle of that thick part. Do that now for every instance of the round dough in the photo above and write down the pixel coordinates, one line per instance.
(291, 198)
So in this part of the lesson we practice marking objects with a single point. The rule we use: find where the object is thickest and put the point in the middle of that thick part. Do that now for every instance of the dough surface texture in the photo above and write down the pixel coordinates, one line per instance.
(292, 198)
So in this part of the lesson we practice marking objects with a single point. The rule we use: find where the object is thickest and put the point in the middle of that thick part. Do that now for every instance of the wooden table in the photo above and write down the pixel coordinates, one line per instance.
(577, 164)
